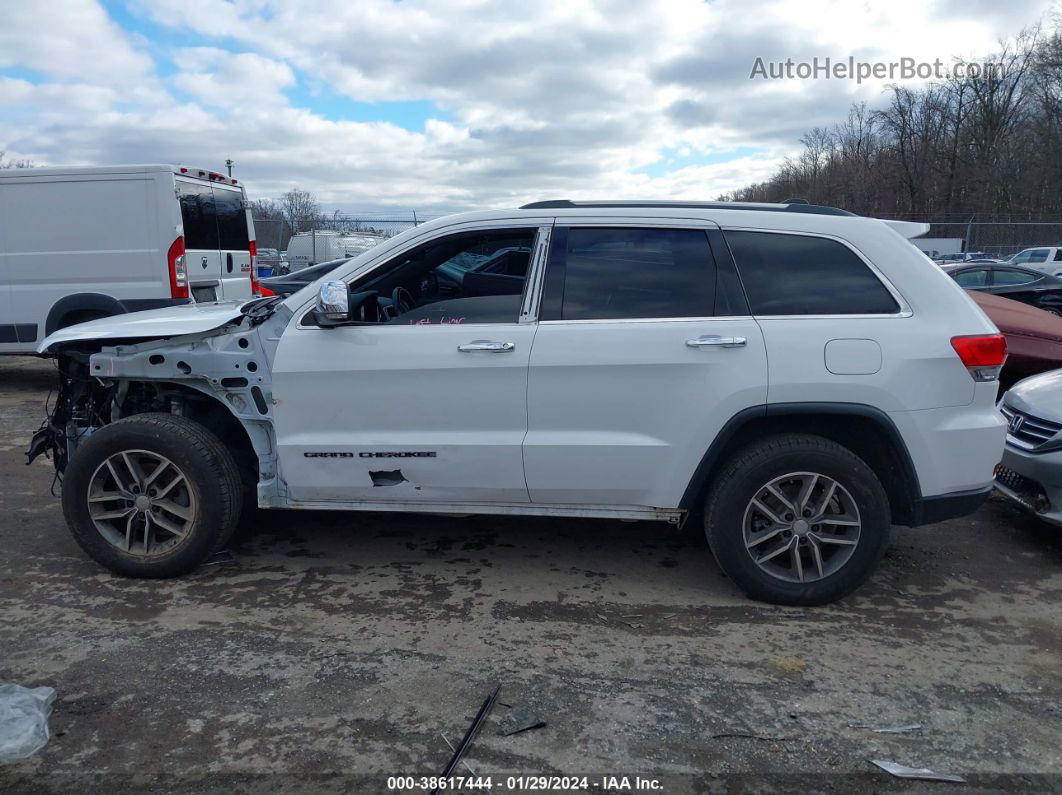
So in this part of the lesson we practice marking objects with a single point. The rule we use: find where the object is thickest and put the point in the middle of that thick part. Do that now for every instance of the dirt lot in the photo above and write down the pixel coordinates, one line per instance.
(334, 650)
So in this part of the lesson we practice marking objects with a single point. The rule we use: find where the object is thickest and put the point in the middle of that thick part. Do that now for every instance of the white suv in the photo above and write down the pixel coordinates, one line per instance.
(796, 377)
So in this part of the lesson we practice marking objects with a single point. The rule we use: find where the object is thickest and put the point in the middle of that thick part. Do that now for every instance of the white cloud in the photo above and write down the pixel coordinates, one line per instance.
(71, 40)
(222, 79)
(536, 100)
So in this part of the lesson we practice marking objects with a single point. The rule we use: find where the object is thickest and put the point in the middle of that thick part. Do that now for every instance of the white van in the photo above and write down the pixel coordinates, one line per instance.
(312, 248)
(82, 243)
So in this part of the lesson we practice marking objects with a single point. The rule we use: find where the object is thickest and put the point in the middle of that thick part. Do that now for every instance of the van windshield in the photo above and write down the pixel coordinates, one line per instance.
(213, 217)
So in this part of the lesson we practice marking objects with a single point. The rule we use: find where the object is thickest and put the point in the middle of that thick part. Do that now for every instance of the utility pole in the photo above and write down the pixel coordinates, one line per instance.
(229, 164)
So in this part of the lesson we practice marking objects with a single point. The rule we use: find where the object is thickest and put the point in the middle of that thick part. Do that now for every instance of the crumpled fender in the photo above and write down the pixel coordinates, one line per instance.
(170, 321)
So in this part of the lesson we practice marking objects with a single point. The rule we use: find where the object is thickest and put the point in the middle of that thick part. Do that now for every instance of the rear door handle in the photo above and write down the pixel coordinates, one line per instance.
(488, 346)
(715, 340)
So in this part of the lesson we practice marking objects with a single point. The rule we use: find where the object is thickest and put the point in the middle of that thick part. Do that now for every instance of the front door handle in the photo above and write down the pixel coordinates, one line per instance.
(488, 346)
(717, 341)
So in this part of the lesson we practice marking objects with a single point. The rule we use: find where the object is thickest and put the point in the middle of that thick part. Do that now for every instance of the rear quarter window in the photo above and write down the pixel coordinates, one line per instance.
(786, 274)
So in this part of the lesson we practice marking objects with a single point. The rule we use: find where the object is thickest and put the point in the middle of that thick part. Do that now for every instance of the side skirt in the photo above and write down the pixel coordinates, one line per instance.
(637, 512)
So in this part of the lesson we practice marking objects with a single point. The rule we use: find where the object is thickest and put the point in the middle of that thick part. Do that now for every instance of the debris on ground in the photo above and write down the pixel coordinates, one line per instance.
(220, 558)
(470, 735)
(453, 750)
(789, 665)
(520, 719)
(24, 715)
(920, 773)
(748, 736)
(914, 727)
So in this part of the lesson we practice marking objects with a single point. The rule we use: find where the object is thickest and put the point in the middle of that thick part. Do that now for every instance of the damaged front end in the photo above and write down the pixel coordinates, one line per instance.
(218, 377)
(82, 404)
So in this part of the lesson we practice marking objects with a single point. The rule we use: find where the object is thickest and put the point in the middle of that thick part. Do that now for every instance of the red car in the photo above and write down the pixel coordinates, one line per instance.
(1034, 337)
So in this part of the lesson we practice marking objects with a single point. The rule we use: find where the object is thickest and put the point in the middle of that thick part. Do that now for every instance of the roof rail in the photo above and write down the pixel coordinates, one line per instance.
(793, 206)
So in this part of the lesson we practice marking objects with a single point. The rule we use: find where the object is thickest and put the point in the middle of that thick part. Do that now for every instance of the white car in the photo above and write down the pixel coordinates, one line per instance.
(794, 376)
(88, 242)
(1042, 258)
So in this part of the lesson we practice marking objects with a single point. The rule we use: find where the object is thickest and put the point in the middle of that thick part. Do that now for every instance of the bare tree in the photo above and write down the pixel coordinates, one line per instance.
(267, 210)
(968, 147)
(301, 209)
(14, 163)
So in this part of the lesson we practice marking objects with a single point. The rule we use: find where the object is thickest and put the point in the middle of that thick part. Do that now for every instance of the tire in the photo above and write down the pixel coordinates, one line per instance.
(831, 563)
(204, 504)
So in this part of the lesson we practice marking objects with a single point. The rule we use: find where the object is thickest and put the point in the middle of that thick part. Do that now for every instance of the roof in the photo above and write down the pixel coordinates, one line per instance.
(133, 168)
(792, 206)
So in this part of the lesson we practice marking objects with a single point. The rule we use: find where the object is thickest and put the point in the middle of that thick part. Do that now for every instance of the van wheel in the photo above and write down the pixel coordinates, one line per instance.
(152, 495)
(797, 520)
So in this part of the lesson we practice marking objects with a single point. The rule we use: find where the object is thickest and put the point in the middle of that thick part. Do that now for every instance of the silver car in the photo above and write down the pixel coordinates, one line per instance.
(1031, 470)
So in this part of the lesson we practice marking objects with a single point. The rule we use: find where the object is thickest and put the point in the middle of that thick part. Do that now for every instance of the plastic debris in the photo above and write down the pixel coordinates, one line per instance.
(520, 719)
(24, 715)
(920, 773)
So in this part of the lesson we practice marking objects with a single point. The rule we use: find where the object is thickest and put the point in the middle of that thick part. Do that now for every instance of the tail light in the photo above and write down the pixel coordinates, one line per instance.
(252, 249)
(178, 269)
(982, 354)
(265, 291)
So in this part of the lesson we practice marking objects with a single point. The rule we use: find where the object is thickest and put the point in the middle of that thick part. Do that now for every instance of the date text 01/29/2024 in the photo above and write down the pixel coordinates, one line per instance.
(524, 783)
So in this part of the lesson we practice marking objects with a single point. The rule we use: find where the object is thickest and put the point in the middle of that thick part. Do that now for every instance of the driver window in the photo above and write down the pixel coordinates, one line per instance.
(461, 279)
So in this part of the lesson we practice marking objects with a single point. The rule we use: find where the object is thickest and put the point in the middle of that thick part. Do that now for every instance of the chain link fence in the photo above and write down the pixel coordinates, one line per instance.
(275, 232)
(997, 237)
(272, 233)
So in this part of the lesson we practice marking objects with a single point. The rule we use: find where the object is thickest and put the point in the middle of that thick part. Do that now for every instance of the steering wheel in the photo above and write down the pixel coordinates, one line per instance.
(402, 300)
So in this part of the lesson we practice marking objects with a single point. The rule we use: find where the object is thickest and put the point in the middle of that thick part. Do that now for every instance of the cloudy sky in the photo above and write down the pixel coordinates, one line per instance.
(446, 105)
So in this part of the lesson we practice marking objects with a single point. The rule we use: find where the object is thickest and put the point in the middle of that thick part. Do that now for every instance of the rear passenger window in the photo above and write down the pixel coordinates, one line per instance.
(615, 273)
(802, 275)
(1006, 277)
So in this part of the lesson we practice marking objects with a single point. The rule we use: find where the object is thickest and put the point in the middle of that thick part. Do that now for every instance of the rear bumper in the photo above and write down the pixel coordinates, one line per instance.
(954, 449)
(941, 507)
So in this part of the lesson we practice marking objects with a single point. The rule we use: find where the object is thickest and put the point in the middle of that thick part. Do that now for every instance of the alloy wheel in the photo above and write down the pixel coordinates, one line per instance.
(801, 527)
(141, 503)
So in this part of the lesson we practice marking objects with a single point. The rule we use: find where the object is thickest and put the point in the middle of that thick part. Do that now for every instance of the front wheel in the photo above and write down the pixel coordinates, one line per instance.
(152, 495)
(797, 520)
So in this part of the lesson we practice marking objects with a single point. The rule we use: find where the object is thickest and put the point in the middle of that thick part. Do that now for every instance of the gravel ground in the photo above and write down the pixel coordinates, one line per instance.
(330, 651)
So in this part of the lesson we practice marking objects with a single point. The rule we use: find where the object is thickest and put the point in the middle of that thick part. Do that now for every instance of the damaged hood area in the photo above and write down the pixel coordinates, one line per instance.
(171, 321)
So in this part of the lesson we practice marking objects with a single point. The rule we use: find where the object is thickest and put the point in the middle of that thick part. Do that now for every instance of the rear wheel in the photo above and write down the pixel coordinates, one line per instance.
(797, 520)
(151, 495)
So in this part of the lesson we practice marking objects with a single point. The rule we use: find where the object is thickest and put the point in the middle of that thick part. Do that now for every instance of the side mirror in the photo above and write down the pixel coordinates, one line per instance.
(333, 304)
(337, 306)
